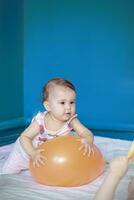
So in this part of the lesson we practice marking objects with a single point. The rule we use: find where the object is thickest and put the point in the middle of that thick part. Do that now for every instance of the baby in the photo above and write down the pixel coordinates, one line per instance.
(59, 100)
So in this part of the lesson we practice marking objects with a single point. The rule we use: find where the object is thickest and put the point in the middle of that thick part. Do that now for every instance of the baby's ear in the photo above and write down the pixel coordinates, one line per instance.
(46, 105)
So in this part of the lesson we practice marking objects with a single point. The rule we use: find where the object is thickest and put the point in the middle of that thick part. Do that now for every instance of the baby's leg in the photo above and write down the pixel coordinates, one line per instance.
(16, 161)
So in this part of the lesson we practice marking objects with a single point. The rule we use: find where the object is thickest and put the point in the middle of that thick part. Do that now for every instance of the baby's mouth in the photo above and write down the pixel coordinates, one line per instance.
(67, 113)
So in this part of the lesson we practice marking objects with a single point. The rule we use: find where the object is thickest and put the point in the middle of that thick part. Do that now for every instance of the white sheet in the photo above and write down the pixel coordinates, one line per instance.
(22, 186)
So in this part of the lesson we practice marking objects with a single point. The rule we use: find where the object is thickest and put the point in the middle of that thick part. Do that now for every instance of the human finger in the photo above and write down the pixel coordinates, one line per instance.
(81, 147)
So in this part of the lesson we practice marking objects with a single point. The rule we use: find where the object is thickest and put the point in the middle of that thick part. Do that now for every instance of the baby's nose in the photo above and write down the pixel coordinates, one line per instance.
(68, 107)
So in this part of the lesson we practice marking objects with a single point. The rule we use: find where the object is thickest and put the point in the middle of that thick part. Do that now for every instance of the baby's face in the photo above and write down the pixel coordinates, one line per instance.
(61, 102)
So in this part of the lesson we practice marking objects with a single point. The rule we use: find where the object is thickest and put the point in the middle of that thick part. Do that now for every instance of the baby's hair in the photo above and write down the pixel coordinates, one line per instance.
(55, 81)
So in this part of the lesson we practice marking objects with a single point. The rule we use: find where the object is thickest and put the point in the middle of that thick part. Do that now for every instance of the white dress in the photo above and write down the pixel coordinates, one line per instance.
(18, 159)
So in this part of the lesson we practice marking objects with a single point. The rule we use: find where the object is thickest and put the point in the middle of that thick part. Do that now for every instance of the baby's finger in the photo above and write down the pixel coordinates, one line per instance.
(36, 164)
(41, 150)
(43, 157)
(81, 147)
(92, 151)
(41, 161)
(89, 151)
(86, 149)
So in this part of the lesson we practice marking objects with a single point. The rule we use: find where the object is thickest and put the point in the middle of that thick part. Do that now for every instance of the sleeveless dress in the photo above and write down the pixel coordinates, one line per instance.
(18, 159)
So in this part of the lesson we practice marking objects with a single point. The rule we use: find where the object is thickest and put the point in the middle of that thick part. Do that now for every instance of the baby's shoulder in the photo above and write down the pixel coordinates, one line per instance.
(39, 117)
(40, 113)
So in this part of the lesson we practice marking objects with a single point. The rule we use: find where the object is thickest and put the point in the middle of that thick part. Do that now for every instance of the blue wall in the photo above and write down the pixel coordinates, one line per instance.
(91, 44)
(88, 42)
(11, 60)
(11, 67)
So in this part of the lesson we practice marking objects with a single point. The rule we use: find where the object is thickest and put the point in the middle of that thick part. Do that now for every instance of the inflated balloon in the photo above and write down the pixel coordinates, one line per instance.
(66, 165)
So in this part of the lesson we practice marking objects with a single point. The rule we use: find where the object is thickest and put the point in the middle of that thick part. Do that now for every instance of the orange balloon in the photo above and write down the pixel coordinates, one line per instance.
(66, 165)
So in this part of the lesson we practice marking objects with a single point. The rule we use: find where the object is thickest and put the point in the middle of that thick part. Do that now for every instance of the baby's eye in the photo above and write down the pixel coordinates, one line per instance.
(72, 102)
(62, 102)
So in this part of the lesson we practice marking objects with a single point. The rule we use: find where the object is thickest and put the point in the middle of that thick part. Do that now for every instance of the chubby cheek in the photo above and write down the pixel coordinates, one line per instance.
(54, 106)
(58, 109)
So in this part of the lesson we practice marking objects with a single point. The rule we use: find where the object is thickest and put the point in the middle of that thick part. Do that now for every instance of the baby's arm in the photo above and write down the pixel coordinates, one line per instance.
(86, 136)
(26, 139)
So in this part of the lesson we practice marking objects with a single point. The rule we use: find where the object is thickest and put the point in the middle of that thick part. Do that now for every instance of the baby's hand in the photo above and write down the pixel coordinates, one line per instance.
(86, 145)
(38, 158)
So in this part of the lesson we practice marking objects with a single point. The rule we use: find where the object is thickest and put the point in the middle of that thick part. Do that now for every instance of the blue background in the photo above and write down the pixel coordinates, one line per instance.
(91, 43)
